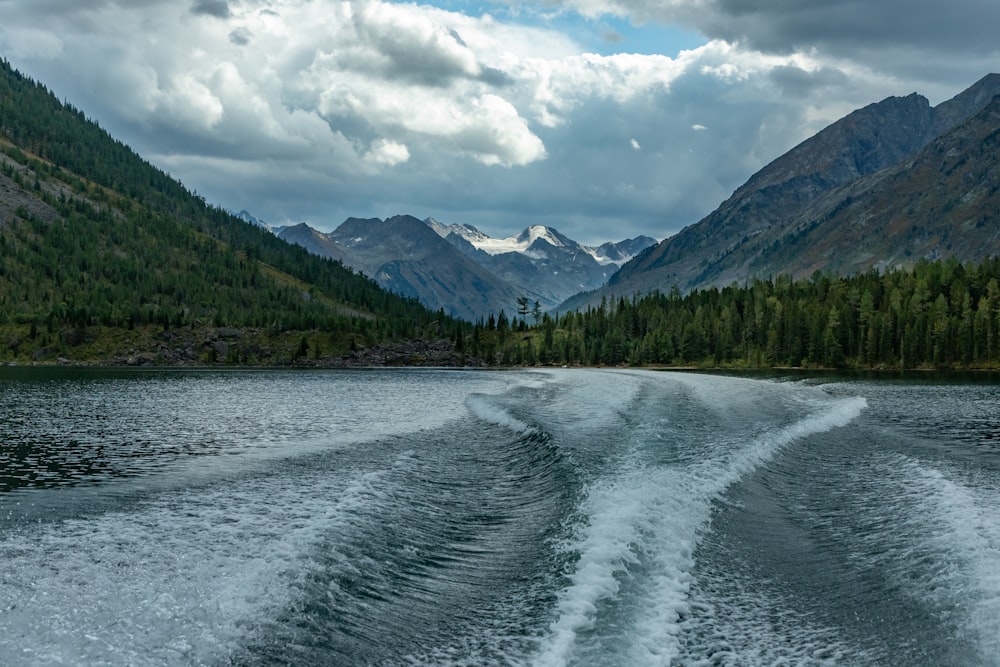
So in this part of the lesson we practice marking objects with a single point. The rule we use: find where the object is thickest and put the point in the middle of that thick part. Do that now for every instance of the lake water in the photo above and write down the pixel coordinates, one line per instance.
(443, 517)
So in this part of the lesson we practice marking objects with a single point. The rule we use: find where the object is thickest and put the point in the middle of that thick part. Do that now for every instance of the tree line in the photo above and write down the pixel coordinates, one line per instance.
(117, 243)
(98, 237)
(938, 314)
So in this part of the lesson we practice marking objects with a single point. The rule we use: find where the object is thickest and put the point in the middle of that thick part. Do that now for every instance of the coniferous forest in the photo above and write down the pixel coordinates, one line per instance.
(104, 258)
(941, 314)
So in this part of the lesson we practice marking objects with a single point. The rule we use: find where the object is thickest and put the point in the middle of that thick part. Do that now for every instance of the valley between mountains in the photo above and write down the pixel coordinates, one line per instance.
(463, 271)
(872, 244)
(884, 187)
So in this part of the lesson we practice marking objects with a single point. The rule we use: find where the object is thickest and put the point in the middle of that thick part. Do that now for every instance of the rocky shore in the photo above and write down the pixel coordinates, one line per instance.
(220, 346)
(409, 353)
(229, 348)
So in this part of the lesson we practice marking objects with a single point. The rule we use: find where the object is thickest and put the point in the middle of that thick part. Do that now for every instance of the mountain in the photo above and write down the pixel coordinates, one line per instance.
(462, 270)
(540, 262)
(621, 252)
(247, 217)
(607, 253)
(106, 259)
(405, 256)
(314, 241)
(856, 163)
(941, 202)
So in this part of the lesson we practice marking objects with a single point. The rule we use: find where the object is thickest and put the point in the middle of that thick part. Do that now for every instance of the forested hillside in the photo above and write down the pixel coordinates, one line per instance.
(103, 257)
(942, 314)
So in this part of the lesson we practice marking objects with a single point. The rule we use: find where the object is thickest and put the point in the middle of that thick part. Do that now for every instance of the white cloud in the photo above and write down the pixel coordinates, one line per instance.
(388, 153)
(935, 45)
(299, 109)
(558, 86)
(503, 139)
(191, 103)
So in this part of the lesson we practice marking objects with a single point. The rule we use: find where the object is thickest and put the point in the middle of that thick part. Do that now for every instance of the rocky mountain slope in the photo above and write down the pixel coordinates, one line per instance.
(462, 270)
(540, 262)
(314, 241)
(802, 212)
(942, 202)
(404, 255)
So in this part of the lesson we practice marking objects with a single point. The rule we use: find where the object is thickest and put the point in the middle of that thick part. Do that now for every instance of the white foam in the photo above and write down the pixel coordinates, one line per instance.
(590, 398)
(486, 408)
(946, 543)
(606, 546)
(751, 624)
(489, 408)
(182, 579)
(650, 518)
(637, 517)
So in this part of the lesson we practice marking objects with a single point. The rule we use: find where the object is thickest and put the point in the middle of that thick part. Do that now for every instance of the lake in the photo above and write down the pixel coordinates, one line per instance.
(462, 517)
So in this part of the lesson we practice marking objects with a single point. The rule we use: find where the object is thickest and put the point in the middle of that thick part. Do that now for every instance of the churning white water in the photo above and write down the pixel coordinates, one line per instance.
(551, 517)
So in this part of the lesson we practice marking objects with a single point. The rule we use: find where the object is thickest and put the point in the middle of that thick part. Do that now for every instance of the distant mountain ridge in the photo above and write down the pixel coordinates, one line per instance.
(404, 255)
(526, 242)
(462, 270)
(796, 215)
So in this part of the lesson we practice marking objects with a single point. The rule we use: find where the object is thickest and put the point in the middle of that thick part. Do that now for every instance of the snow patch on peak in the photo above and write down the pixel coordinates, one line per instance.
(599, 257)
(249, 218)
(499, 246)
(536, 232)
(439, 228)
(467, 232)
(524, 243)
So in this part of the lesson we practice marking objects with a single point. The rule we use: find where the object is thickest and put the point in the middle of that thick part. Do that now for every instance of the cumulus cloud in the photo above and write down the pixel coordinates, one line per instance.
(388, 153)
(932, 43)
(299, 110)
(402, 43)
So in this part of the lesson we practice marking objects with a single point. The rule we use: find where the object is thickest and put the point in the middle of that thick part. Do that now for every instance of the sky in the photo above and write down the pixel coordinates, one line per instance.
(605, 119)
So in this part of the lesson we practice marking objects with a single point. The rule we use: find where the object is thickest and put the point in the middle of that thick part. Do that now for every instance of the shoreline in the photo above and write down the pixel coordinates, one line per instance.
(407, 356)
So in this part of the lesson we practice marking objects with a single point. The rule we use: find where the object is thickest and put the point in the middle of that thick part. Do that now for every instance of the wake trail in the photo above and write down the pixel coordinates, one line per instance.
(644, 522)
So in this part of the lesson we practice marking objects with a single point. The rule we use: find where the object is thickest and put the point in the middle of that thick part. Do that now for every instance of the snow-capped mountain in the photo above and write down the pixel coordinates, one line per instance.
(248, 217)
(622, 251)
(463, 270)
(607, 253)
(467, 232)
(540, 262)
(405, 256)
